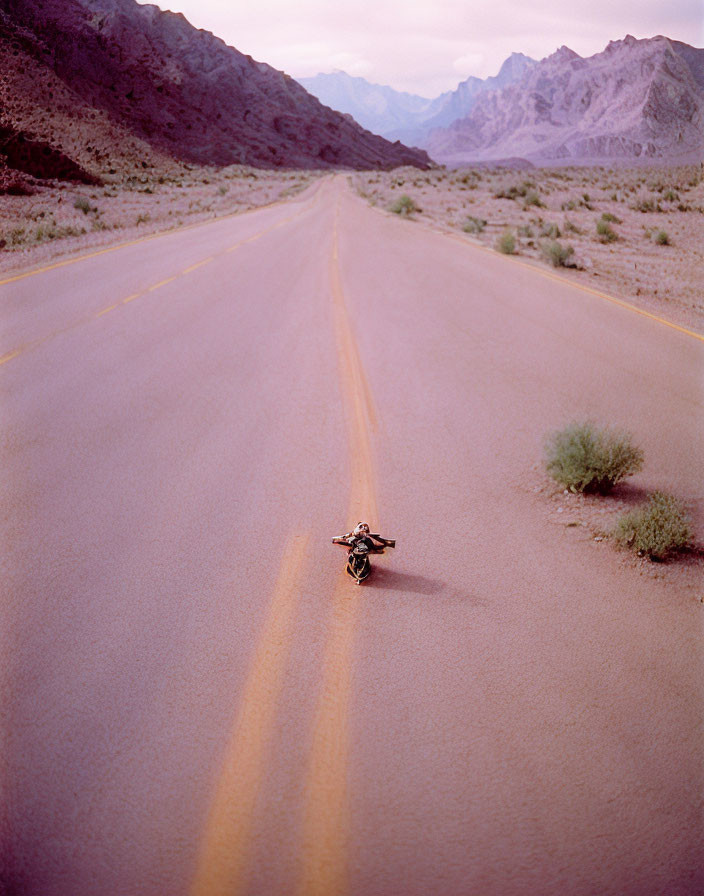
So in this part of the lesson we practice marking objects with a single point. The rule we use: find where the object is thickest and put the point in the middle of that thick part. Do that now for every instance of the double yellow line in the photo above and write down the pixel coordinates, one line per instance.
(225, 854)
(325, 825)
(222, 863)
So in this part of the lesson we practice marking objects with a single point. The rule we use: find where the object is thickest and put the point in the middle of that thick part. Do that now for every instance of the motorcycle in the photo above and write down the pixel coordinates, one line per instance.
(360, 544)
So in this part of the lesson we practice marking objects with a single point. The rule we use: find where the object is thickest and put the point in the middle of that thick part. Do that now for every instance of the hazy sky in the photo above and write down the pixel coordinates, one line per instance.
(427, 46)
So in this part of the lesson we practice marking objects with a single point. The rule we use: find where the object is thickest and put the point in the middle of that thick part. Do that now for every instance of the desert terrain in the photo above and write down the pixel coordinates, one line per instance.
(651, 248)
(52, 219)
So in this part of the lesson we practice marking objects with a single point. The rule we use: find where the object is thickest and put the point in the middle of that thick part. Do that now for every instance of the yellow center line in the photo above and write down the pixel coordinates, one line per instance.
(226, 845)
(161, 283)
(10, 355)
(194, 267)
(105, 311)
(131, 298)
(326, 824)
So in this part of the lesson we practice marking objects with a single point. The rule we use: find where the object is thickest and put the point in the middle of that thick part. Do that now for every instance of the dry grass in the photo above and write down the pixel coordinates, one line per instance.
(641, 203)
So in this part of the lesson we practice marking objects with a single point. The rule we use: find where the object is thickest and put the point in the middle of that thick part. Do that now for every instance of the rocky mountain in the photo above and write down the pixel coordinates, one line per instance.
(377, 108)
(89, 85)
(638, 99)
(405, 116)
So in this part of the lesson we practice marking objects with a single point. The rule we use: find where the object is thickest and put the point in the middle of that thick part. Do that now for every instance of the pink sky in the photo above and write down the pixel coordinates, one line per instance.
(428, 46)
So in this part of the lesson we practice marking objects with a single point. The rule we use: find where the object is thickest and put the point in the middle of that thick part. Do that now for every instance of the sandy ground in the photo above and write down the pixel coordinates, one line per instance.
(661, 274)
(62, 218)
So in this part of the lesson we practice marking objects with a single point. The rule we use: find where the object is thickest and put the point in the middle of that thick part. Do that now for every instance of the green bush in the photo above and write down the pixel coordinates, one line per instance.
(586, 459)
(404, 205)
(474, 225)
(656, 530)
(506, 243)
(83, 205)
(605, 231)
(662, 238)
(558, 255)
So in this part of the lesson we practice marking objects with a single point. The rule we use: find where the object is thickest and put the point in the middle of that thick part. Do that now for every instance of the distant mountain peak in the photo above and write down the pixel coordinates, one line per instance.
(405, 116)
(637, 99)
(564, 53)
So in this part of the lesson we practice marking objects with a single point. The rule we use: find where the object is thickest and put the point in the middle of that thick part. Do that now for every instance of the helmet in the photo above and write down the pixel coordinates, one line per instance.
(361, 529)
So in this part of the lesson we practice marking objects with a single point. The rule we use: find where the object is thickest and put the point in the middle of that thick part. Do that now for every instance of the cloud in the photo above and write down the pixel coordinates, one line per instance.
(468, 64)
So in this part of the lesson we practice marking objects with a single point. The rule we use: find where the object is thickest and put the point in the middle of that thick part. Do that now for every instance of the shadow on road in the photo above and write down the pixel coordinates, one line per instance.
(390, 580)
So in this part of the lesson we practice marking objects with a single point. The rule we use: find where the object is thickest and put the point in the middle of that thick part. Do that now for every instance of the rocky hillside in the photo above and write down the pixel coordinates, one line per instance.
(406, 116)
(92, 85)
(637, 100)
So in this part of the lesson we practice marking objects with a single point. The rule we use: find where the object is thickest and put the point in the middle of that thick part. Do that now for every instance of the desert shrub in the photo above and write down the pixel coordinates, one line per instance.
(670, 196)
(474, 225)
(558, 255)
(571, 227)
(658, 529)
(586, 459)
(532, 198)
(662, 238)
(646, 205)
(525, 230)
(605, 231)
(514, 191)
(582, 202)
(550, 229)
(610, 218)
(82, 204)
(405, 206)
(506, 243)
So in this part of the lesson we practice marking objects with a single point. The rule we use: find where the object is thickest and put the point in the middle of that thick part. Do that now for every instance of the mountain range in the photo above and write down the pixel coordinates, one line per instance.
(89, 86)
(636, 100)
(405, 116)
(95, 87)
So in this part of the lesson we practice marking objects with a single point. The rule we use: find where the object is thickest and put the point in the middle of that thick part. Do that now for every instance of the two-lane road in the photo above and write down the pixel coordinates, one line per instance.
(195, 698)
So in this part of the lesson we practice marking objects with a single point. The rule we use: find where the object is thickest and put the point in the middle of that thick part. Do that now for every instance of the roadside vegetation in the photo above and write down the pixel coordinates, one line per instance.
(506, 243)
(589, 462)
(657, 530)
(634, 233)
(405, 206)
(583, 458)
(50, 217)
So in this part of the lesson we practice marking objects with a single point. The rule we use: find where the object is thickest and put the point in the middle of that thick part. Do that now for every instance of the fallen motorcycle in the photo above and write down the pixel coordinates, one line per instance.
(360, 544)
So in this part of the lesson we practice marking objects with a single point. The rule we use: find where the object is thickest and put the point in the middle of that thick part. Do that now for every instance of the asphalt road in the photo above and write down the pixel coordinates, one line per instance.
(195, 698)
